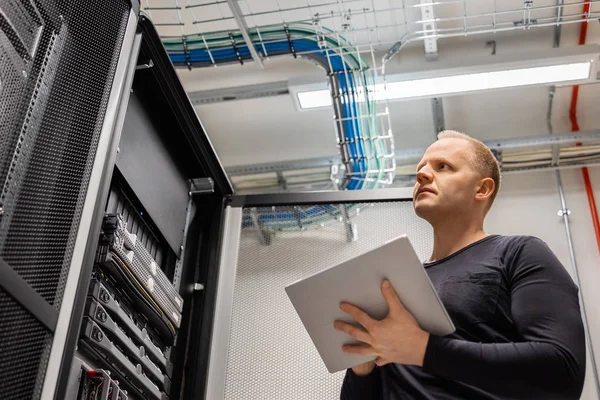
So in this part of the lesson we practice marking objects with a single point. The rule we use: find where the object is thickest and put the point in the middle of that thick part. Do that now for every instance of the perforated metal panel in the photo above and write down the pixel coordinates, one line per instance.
(24, 345)
(270, 354)
(57, 63)
(14, 70)
(63, 56)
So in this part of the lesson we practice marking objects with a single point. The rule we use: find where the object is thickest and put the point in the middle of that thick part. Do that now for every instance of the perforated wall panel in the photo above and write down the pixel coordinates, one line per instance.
(60, 58)
(270, 354)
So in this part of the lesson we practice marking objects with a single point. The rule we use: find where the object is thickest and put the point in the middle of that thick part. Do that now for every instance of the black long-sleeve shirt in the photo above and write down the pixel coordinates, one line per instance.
(519, 330)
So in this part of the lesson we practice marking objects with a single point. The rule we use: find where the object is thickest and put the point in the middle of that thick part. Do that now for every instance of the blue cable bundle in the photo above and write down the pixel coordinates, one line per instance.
(351, 125)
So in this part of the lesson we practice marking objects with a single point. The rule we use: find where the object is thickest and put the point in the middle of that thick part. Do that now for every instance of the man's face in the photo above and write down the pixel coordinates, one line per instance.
(446, 181)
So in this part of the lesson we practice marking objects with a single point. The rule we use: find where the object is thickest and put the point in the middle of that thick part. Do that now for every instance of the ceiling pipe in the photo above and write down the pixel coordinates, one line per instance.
(564, 211)
(575, 128)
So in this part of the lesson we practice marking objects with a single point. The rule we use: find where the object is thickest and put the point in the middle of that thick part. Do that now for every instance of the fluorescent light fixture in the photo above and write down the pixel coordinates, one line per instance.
(458, 75)
(486, 81)
(314, 99)
(454, 84)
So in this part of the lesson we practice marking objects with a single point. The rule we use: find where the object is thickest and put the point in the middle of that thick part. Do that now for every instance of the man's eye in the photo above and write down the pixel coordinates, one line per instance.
(444, 166)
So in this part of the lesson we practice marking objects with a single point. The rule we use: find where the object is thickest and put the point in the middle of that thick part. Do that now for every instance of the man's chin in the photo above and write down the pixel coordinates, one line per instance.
(424, 210)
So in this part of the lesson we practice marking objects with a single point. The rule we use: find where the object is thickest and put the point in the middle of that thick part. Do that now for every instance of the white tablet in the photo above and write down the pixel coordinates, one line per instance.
(358, 281)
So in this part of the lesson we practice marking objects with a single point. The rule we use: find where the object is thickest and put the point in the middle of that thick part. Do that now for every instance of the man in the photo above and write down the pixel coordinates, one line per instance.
(519, 333)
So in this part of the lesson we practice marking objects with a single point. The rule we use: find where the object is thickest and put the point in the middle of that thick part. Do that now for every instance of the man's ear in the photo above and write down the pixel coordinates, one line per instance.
(486, 189)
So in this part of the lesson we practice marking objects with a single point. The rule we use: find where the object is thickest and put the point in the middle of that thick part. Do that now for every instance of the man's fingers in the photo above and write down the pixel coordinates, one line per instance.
(359, 315)
(360, 349)
(380, 362)
(354, 332)
(391, 298)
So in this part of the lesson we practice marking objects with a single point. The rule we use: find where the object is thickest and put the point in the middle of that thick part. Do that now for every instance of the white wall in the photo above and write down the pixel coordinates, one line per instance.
(270, 354)
(528, 204)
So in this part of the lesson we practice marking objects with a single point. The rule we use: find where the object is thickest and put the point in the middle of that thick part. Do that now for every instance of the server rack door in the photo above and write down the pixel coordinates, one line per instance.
(260, 347)
(63, 68)
(228, 261)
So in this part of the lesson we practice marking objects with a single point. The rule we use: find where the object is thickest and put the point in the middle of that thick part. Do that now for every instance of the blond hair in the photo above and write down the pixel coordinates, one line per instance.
(482, 160)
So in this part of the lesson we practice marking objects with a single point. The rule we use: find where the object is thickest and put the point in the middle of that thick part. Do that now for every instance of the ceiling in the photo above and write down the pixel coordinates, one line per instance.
(365, 23)
(272, 129)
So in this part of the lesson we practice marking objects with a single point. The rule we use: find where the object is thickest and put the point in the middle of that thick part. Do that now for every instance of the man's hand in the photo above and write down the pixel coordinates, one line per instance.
(395, 339)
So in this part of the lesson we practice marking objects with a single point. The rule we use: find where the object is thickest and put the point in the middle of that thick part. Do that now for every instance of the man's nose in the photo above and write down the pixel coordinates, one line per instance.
(424, 176)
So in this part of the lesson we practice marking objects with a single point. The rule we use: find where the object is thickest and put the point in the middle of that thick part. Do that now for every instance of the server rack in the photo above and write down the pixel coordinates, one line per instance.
(102, 158)
(110, 181)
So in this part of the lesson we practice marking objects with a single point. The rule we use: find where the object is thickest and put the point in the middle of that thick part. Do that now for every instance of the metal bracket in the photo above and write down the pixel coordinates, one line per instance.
(239, 19)
(19, 289)
(148, 64)
(334, 176)
(563, 212)
(186, 52)
(492, 44)
(555, 147)
(525, 23)
(281, 180)
(235, 49)
(392, 51)
(289, 39)
(239, 93)
(437, 107)
(429, 27)
(202, 186)
(350, 227)
(298, 219)
(263, 236)
(498, 154)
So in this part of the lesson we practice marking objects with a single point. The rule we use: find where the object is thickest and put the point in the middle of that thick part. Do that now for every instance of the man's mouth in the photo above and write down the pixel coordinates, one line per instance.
(424, 190)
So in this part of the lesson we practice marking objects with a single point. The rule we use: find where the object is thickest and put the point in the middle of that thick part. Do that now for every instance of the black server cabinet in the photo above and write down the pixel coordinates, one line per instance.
(97, 134)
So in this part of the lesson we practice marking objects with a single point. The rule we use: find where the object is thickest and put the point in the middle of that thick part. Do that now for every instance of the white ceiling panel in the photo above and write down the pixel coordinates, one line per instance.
(365, 23)
(272, 129)
(267, 130)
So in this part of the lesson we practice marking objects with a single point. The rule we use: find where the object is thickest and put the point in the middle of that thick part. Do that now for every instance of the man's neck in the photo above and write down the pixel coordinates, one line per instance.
(452, 236)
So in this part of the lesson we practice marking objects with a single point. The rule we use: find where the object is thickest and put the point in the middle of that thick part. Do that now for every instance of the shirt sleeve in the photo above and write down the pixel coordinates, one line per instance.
(549, 362)
(357, 387)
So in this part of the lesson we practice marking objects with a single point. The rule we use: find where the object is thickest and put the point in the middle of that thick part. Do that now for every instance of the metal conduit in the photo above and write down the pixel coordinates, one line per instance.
(564, 211)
